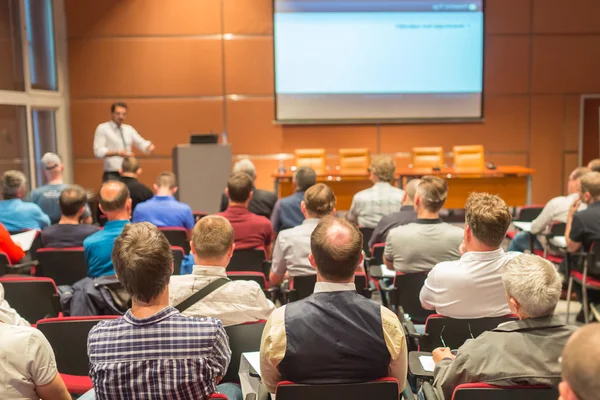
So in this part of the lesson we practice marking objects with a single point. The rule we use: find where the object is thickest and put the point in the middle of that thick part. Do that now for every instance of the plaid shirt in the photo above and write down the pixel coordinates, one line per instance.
(370, 205)
(165, 356)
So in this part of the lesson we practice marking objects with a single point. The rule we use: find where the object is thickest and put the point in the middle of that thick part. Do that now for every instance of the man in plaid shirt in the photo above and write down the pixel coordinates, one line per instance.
(153, 352)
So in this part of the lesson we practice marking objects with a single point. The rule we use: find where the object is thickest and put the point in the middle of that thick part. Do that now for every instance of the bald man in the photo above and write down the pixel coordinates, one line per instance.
(406, 215)
(115, 203)
(302, 342)
(581, 365)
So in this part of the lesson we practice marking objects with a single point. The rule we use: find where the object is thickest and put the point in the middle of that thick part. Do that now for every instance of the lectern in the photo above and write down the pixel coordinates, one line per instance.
(202, 171)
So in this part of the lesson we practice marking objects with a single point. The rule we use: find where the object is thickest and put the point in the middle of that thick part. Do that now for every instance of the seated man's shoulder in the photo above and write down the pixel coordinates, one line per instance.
(265, 194)
(93, 238)
(390, 321)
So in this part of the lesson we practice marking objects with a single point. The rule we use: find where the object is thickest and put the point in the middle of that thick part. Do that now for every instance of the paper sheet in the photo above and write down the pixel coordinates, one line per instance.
(524, 226)
(24, 239)
(427, 363)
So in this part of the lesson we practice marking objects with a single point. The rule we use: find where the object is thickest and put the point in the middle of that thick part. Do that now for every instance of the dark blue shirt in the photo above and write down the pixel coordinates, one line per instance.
(98, 249)
(287, 213)
(164, 211)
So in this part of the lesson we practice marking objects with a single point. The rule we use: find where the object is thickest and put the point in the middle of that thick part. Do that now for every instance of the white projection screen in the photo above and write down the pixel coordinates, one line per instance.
(378, 60)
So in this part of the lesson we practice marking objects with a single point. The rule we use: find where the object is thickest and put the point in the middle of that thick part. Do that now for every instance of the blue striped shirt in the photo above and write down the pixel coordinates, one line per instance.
(165, 356)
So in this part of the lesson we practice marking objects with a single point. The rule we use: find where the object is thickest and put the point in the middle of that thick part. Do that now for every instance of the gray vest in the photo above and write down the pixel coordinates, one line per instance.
(334, 337)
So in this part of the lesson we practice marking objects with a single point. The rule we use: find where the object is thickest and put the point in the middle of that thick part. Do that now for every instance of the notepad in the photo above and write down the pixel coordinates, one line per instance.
(24, 239)
(427, 363)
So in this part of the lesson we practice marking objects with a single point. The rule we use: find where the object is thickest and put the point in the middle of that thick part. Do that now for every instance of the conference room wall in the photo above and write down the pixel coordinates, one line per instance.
(190, 65)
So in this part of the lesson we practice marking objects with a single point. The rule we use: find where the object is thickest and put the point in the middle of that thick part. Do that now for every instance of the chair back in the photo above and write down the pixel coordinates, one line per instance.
(593, 261)
(476, 391)
(367, 233)
(386, 388)
(529, 213)
(4, 263)
(303, 286)
(455, 332)
(248, 260)
(198, 215)
(178, 256)
(68, 338)
(314, 158)
(408, 287)
(557, 228)
(243, 338)
(377, 253)
(177, 237)
(35, 245)
(428, 157)
(64, 266)
(33, 298)
(361, 281)
(257, 277)
(468, 157)
(355, 160)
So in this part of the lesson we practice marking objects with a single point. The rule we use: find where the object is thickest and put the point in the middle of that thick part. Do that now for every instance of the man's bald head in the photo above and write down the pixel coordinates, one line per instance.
(336, 246)
(581, 364)
(113, 196)
(411, 190)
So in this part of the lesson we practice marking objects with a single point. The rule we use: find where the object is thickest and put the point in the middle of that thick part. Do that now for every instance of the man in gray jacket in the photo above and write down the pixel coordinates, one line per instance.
(515, 353)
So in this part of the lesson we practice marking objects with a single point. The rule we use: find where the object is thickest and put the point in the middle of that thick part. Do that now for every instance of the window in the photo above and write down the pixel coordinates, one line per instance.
(11, 56)
(40, 44)
(14, 145)
(44, 139)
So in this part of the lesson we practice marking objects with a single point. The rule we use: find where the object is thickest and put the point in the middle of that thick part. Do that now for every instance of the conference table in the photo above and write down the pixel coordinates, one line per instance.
(512, 183)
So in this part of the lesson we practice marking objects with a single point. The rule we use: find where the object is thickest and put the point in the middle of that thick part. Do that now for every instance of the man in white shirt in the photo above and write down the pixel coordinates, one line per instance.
(556, 209)
(370, 205)
(418, 246)
(472, 286)
(292, 248)
(235, 302)
(114, 140)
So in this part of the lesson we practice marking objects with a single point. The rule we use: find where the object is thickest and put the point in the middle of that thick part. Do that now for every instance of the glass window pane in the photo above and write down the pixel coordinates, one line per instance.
(14, 148)
(11, 53)
(40, 44)
(44, 136)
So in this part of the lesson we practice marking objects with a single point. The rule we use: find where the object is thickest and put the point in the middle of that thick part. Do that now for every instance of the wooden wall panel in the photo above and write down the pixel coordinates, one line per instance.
(250, 126)
(560, 16)
(166, 122)
(145, 67)
(142, 18)
(506, 117)
(572, 121)
(507, 64)
(507, 16)
(249, 65)
(566, 64)
(332, 138)
(570, 162)
(547, 116)
(248, 16)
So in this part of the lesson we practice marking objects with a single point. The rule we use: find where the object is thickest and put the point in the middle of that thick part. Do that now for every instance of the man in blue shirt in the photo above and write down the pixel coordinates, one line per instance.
(115, 203)
(15, 214)
(163, 210)
(287, 213)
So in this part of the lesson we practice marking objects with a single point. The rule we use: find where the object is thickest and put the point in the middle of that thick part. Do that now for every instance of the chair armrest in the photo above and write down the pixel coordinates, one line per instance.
(428, 391)
(266, 267)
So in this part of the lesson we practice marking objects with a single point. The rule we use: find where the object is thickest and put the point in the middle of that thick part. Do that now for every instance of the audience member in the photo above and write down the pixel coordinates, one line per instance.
(523, 352)
(370, 205)
(28, 366)
(420, 245)
(130, 171)
(116, 205)
(46, 196)
(250, 230)
(69, 232)
(287, 213)
(12, 250)
(335, 335)
(233, 303)
(9, 315)
(262, 202)
(292, 247)
(583, 227)
(594, 165)
(15, 214)
(556, 209)
(406, 215)
(472, 286)
(163, 210)
(167, 355)
(581, 365)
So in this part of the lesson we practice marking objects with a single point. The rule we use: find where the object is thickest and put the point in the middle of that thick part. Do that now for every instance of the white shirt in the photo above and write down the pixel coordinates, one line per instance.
(110, 137)
(26, 361)
(556, 209)
(370, 205)
(9, 315)
(234, 303)
(292, 248)
(470, 287)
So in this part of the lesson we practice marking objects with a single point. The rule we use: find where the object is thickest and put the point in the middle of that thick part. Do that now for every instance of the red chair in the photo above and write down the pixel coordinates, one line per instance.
(526, 214)
(33, 298)
(4, 263)
(249, 260)
(243, 338)
(557, 228)
(65, 266)
(68, 338)
(198, 215)
(178, 256)
(177, 236)
(377, 254)
(477, 391)
(303, 286)
(218, 396)
(587, 275)
(367, 233)
(385, 388)
(404, 296)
